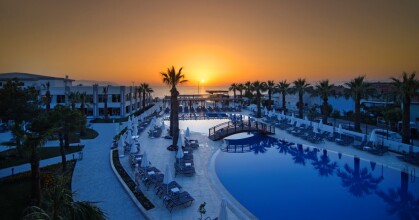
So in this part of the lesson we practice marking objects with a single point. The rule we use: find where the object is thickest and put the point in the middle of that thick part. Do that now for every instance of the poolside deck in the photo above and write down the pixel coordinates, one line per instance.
(93, 179)
(205, 186)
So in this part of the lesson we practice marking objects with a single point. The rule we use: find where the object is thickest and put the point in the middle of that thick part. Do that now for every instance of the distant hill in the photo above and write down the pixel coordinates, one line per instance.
(92, 82)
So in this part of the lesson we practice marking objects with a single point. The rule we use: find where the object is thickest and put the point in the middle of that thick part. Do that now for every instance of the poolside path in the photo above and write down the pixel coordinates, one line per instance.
(94, 180)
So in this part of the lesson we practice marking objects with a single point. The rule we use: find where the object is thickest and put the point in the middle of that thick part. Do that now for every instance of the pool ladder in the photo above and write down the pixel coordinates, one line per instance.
(411, 172)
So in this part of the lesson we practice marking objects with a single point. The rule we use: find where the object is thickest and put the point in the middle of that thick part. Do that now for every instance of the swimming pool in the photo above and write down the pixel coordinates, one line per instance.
(278, 180)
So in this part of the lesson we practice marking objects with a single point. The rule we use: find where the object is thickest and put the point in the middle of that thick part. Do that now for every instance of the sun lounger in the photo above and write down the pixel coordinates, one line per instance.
(186, 169)
(163, 189)
(180, 199)
(191, 143)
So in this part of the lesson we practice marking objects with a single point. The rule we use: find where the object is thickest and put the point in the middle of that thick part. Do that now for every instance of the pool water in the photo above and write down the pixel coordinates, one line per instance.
(279, 180)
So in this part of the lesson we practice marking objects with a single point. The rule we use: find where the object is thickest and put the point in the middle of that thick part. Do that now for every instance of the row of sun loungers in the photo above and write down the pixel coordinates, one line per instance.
(187, 109)
(371, 148)
(185, 165)
(172, 194)
(155, 132)
(178, 199)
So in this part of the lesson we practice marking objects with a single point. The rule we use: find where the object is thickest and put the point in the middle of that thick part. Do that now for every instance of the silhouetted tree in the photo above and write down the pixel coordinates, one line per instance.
(407, 87)
(270, 87)
(358, 89)
(323, 90)
(284, 88)
(259, 87)
(300, 87)
(172, 79)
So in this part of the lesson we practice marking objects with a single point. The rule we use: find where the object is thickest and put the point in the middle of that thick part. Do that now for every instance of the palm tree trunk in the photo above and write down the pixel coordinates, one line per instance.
(19, 149)
(284, 107)
(175, 128)
(300, 106)
(325, 110)
(35, 177)
(106, 107)
(62, 151)
(357, 114)
(406, 121)
(143, 100)
(259, 113)
(48, 104)
(270, 98)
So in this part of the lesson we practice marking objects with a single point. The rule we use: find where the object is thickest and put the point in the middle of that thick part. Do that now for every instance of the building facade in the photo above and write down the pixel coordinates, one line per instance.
(121, 101)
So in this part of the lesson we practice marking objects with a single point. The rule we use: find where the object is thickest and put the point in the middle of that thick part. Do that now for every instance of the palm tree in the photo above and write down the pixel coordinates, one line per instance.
(240, 88)
(284, 88)
(172, 79)
(83, 99)
(105, 101)
(139, 90)
(40, 129)
(270, 86)
(358, 89)
(47, 97)
(248, 90)
(259, 87)
(233, 87)
(74, 97)
(145, 90)
(406, 88)
(65, 121)
(59, 201)
(18, 104)
(359, 181)
(323, 90)
(59, 204)
(300, 87)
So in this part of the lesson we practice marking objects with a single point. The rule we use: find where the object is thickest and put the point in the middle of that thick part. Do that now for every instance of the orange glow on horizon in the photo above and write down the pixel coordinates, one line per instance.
(221, 43)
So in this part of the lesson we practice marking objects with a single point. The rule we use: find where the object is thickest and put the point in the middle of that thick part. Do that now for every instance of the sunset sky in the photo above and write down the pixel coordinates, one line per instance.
(220, 42)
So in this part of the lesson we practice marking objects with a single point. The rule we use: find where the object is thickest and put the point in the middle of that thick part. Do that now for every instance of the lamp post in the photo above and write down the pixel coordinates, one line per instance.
(198, 87)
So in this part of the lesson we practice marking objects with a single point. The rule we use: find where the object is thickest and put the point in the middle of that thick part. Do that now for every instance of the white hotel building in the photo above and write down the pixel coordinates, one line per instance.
(122, 101)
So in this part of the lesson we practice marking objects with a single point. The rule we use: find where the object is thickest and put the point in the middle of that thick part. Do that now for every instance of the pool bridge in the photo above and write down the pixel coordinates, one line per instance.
(228, 128)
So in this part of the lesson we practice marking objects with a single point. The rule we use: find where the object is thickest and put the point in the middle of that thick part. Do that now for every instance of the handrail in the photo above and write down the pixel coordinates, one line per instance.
(227, 128)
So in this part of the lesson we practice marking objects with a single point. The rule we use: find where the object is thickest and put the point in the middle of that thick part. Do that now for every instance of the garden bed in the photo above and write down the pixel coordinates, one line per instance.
(144, 201)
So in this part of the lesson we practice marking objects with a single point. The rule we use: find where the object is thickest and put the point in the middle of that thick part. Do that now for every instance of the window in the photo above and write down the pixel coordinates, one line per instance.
(102, 98)
(89, 98)
(60, 98)
(116, 98)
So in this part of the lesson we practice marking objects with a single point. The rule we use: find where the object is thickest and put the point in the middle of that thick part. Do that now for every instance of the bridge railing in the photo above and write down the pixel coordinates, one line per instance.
(224, 129)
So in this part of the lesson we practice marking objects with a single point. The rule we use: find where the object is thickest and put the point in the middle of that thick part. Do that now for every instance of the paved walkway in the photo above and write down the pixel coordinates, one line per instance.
(94, 180)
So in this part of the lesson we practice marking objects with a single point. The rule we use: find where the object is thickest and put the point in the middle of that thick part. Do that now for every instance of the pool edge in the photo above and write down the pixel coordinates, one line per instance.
(238, 209)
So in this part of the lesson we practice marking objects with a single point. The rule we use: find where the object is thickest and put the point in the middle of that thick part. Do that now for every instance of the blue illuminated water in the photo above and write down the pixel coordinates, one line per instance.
(283, 181)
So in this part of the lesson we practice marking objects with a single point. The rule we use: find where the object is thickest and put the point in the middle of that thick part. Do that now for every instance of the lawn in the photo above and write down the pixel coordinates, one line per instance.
(15, 190)
(9, 158)
(90, 134)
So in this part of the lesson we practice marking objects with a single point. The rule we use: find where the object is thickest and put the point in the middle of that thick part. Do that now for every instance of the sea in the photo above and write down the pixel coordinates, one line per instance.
(162, 91)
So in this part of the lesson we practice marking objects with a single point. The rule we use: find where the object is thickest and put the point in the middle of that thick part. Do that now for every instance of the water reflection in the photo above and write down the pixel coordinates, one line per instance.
(360, 182)
(400, 201)
(324, 165)
(300, 155)
(283, 146)
(258, 144)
